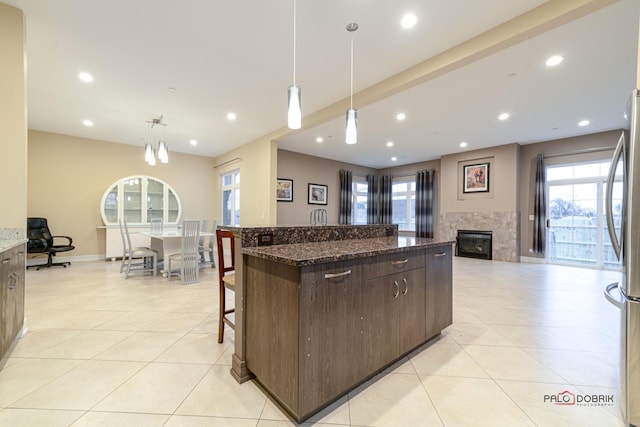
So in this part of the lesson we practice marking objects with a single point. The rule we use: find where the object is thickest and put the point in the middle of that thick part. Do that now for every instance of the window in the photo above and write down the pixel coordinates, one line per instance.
(231, 198)
(359, 189)
(403, 198)
(577, 224)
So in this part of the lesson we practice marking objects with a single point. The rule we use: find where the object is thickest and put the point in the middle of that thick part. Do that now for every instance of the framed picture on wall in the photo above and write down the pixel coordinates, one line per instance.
(476, 178)
(317, 194)
(284, 190)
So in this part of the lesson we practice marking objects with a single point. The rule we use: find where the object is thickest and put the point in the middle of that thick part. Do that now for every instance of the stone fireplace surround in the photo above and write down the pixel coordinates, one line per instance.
(504, 225)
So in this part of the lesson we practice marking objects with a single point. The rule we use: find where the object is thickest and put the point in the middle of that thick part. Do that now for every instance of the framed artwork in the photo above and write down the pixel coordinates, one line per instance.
(284, 190)
(317, 194)
(476, 178)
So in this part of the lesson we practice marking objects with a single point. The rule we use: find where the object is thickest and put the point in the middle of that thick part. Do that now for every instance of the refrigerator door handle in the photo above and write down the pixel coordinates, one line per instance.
(619, 152)
(618, 302)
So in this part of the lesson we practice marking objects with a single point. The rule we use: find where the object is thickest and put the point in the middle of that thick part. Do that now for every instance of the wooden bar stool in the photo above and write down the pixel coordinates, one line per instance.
(227, 281)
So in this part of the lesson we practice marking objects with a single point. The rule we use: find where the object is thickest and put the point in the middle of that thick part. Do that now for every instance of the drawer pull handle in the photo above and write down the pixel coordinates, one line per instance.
(5, 261)
(404, 261)
(406, 286)
(397, 292)
(440, 254)
(332, 275)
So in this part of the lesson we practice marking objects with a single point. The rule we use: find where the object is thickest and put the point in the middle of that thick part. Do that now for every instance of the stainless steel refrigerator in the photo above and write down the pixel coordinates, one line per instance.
(626, 295)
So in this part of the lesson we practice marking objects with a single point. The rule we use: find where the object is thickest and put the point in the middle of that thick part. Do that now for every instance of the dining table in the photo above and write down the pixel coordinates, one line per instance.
(167, 242)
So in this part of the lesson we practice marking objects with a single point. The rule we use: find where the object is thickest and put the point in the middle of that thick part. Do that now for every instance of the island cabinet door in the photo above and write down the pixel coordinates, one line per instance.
(412, 309)
(328, 359)
(439, 290)
(392, 317)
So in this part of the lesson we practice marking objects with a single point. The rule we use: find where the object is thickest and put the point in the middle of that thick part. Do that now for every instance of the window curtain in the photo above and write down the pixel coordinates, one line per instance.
(424, 203)
(346, 180)
(373, 200)
(540, 207)
(386, 199)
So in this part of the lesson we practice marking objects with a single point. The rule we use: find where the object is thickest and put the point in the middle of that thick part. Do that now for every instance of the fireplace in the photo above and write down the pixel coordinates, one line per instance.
(474, 244)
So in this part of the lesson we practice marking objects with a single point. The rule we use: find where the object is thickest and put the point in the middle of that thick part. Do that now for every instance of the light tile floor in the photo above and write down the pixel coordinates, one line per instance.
(105, 351)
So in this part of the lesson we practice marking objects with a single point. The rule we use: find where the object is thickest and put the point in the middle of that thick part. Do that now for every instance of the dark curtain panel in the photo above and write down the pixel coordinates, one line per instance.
(424, 203)
(373, 200)
(386, 201)
(540, 208)
(346, 179)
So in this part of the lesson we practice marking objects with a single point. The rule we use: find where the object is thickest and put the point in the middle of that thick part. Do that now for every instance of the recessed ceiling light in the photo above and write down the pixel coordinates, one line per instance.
(584, 123)
(231, 116)
(463, 144)
(193, 142)
(319, 139)
(85, 77)
(409, 20)
(393, 159)
(554, 60)
(87, 123)
(390, 144)
(401, 116)
(503, 116)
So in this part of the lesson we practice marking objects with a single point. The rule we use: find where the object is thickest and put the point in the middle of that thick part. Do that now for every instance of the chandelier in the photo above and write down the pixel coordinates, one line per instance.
(163, 148)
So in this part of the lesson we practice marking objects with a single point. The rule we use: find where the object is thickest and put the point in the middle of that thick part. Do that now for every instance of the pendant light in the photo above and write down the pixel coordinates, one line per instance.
(163, 148)
(294, 111)
(351, 135)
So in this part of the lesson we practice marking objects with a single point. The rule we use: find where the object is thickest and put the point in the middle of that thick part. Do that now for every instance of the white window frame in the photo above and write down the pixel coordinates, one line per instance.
(356, 182)
(408, 195)
(232, 220)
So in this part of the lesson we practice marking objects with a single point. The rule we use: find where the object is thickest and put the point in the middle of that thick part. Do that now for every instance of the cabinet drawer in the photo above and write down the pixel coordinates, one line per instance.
(395, 263)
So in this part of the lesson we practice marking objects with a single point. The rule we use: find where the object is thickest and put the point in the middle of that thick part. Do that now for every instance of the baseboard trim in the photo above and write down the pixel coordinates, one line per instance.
(80, 258)
(532, 260)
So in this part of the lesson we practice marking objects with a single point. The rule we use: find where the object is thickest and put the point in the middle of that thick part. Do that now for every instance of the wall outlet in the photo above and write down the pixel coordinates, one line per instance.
(531, 217)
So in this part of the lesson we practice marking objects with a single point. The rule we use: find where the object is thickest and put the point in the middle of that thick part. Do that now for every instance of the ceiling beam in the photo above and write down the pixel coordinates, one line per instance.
(549, 15)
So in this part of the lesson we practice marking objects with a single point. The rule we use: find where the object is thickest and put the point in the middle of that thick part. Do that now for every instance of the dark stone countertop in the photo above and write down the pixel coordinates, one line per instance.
(300, 254)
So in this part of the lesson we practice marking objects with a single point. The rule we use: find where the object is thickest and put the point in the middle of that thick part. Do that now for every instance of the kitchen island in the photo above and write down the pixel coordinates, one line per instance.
(323, 317)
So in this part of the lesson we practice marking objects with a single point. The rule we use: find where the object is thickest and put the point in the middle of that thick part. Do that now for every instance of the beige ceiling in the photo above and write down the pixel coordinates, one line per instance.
(464, 63)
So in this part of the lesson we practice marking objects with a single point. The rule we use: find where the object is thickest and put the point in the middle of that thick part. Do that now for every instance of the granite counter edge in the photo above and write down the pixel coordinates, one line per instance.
(259, 252)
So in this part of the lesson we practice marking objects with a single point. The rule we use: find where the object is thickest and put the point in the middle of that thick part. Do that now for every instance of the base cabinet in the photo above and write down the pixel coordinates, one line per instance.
(439, 289)
(12, 268)
(315, 332)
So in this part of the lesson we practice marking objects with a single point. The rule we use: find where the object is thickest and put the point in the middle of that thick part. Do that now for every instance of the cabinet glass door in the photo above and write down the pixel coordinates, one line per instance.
(111, 205)
(174, 208)
(155, 200)
(132, 202)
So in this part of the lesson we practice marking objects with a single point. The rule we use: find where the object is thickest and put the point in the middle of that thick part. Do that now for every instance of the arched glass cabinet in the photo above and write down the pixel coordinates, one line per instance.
(138, 199)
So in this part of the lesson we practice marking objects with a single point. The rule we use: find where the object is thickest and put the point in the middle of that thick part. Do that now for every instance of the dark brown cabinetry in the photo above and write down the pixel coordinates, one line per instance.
(315, 332)
(12, 267)
(439, 289)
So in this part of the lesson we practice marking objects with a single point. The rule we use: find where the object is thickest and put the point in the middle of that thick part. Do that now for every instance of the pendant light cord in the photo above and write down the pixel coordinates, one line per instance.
(351, 106)
(294, 42)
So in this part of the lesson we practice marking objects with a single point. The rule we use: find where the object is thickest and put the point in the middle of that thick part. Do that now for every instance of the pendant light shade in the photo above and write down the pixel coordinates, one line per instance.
(352, 126)
(152, 159)
(148, 153)
(294, 108)
(163, 152)
(351, 134)
(294, 113)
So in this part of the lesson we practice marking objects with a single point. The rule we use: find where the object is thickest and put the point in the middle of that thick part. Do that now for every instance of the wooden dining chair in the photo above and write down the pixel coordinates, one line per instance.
(188, 256)
(129, 254)
(227, 279)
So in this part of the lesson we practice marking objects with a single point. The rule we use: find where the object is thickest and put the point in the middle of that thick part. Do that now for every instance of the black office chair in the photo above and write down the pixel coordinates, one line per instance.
(41, 242)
